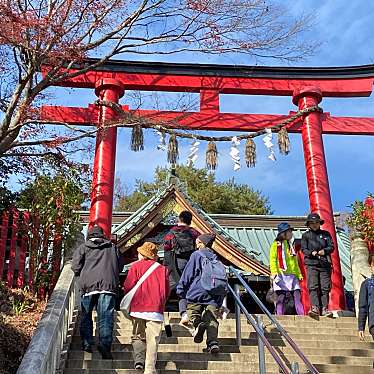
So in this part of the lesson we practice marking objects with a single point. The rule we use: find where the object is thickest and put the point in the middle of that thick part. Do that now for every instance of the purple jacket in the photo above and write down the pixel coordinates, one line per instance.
(189, 286)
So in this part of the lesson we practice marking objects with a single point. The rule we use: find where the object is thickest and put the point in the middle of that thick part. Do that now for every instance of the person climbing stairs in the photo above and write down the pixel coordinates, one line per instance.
(332, 345)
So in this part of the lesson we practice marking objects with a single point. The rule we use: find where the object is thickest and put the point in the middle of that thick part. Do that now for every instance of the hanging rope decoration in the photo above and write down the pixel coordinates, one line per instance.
(267, 139)
(173, 152)
(194, 153)
(211, 156)
(161, 146)
(250, 153)
(235, 153)
(137, 138)
(283, 141)
(128, 119)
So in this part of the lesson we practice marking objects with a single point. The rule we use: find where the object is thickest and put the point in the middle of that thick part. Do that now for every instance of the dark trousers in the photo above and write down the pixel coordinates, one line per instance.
(319, 285)
(205, 313)
(104, 304)
(371, 331)
(176, 266)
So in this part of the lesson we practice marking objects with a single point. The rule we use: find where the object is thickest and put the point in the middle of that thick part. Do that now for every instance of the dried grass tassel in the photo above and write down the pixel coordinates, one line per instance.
(283, 141)
(173, 152)
(137, 138)
(211, 156)
(250, 153)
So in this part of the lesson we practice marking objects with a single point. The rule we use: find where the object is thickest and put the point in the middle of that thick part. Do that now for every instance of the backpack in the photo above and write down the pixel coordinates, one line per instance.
(213, 276)
(183, 243)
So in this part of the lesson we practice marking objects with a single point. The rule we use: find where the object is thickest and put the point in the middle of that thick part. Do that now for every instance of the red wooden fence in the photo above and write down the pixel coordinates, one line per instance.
(26, 249)
(15, 248)
(22, 254)
(3, 241)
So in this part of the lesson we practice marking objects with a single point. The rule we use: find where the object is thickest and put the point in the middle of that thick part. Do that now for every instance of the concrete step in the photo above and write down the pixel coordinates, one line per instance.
(332, 345)
(344, 369)
(230, 331)
(305, 321)
(229, 339)
(186, 347)
(227, 367)
(227, 352)
(230, 326)
(230, 345)
(174, 318)
(232, 315)
(132, 371)
(168, 356)
(230, 366)
(246, 327)
(224, 358)
(291, 325)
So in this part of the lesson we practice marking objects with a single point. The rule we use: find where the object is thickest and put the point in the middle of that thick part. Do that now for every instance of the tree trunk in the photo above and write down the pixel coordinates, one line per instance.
(359, 263)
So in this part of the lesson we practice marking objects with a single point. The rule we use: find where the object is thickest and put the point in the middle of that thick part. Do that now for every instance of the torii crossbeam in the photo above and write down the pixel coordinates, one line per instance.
(307, 86)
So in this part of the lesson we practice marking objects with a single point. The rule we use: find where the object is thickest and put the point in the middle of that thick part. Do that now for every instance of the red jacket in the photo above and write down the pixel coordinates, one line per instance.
(154, 291)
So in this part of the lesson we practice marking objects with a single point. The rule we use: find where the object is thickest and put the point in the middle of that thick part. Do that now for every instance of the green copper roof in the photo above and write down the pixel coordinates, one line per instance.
(141, 213)
(137, 216)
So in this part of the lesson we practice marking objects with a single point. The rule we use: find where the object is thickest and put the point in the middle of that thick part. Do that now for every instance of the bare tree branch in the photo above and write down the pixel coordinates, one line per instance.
(58, 35)
(57, 140)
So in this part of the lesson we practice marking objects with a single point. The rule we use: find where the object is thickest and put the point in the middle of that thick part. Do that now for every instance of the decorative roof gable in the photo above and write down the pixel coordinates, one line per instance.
(173, 199)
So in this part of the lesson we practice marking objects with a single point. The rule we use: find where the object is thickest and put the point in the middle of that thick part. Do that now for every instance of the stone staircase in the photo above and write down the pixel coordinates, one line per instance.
(331, 345)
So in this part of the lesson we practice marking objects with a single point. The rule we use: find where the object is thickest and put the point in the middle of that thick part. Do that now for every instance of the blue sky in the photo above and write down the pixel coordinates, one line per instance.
(345, 30)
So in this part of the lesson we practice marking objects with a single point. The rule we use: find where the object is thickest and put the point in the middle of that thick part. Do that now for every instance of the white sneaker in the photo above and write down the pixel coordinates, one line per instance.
(225, 312)
(184, 320)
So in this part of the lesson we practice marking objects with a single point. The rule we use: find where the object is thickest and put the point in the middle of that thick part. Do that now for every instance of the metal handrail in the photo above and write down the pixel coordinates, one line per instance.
(43, 356)
(273, 320)
(260, 333)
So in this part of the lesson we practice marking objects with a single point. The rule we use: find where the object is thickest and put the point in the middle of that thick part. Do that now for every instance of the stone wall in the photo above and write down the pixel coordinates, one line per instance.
(359, 263)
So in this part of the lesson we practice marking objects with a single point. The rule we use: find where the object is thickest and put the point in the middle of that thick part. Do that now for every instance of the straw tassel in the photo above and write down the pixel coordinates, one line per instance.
(283, 141)
(173, 153)
(211, 156)
(250, 153)
(137, 138)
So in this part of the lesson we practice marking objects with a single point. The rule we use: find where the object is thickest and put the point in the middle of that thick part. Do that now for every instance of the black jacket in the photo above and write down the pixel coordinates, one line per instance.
(365, 306)
(315, 241)
(96, 262)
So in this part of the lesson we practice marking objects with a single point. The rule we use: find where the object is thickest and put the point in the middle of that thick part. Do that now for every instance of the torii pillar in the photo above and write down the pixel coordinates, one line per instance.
(105, 157)
(318, 182)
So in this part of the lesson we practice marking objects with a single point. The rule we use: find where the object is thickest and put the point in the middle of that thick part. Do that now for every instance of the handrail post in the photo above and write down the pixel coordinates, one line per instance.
(274, 321)
(295, 368)
(261, 348)
(238, 324)
(266, 342)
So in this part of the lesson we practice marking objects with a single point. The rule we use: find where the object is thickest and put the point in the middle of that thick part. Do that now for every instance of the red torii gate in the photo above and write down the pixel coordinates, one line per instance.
(307, 86)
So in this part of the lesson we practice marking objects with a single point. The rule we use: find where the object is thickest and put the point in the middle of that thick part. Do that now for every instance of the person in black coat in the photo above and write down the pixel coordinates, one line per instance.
(96, 262)
(366, 303)
(317, 246)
